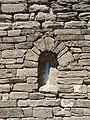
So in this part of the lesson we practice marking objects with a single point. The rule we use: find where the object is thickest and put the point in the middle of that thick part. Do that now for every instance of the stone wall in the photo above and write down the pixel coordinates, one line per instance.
(29, 27)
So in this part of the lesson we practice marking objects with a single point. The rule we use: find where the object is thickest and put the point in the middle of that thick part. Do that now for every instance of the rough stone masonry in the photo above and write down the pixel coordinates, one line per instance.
(27, 29)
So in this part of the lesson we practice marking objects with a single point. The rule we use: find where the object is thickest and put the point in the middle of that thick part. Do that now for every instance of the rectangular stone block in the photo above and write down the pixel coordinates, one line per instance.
(46, 103)
(14, 32)
(13, 8)
(12, 1)
(86, 112)
(69, 37)
(80, 89)
(42, 112)
(36, 96)
(66, 74)
(5, 26)
(7, 103)
(67, 102)
(18, 95)
(28, 112)
(81, 103)
(25, 87)
(20, 16)
(27, 72)
(77, 118)
(24, 103)
(3, 33)
(14, 39)
(6, 47)
(13, 53)
(7, 61)
(67, 31)
(11, 112)
(77, 112)
(69, 81)
(4, 88)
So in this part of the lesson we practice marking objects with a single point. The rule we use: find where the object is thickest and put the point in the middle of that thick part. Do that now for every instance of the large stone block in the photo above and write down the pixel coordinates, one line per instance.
(13, 8)
(76, 24)
(12, 1)
(27, 24)
(18, 95)
(14, 32)
(25, 87)
(77, 112)
(38, 8)
(4, 88)
(67, 102)
(38, 1)
(52, 24)
(6, 47)
(20, 17)
(67, 31)
(81, 103)
(66, 74)
(13, 53)
(27, 72)
(45, 103)
(28, 112)
(42, 112)
(11, 113)
(36, 96)
(5, 26)
(7, 103)
(14, 39)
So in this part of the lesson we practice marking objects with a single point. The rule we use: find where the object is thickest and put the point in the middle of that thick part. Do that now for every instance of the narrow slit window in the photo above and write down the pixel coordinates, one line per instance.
(47, 60)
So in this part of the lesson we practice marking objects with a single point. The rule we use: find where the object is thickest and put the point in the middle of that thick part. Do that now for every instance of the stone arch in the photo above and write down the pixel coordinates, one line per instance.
(49, 45)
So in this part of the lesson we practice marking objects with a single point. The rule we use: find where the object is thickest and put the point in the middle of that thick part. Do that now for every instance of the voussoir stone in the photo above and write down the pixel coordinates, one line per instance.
(65, 59)
(13, 8)
(32, 56)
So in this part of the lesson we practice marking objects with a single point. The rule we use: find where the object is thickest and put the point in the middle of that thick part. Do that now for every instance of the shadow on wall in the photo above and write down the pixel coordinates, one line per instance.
(47, 68)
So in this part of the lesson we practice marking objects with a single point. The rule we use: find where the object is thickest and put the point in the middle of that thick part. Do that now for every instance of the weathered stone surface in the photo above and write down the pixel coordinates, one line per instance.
(38, 1)
(49, 89)
(65, 88)
(80, 88)
(66, 16)
(66, 74)
(81, 7)
(6, 47)
(77, 112)
(32, 56)
(14, 32)
(5, 18)
(13, 8)
(14, 39)
(74, 80)
(4, 88)
(76, 24)
(31, 80)
(11, 112)
(24, 45)
(81, 103)
(27, 24)
(5, 26)
(13, 53)
(44, 103)
(49, 43)
(38, 8)
(42, 112)
(69, 37)
(65, 59)
(20, 17)
(18, 95)
(52, 24)
(77, 118)
(84, 16)
(36, 96)
(67, 102)
(40, 44)
(86, 112)
(28, 112)
(30, 64)
(7, 103)
(25, 87)
(67, 31)
(12, 1)
(24, 103)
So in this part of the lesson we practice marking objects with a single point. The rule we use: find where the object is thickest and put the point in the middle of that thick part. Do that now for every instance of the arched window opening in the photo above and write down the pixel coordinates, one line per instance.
(47, 64)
